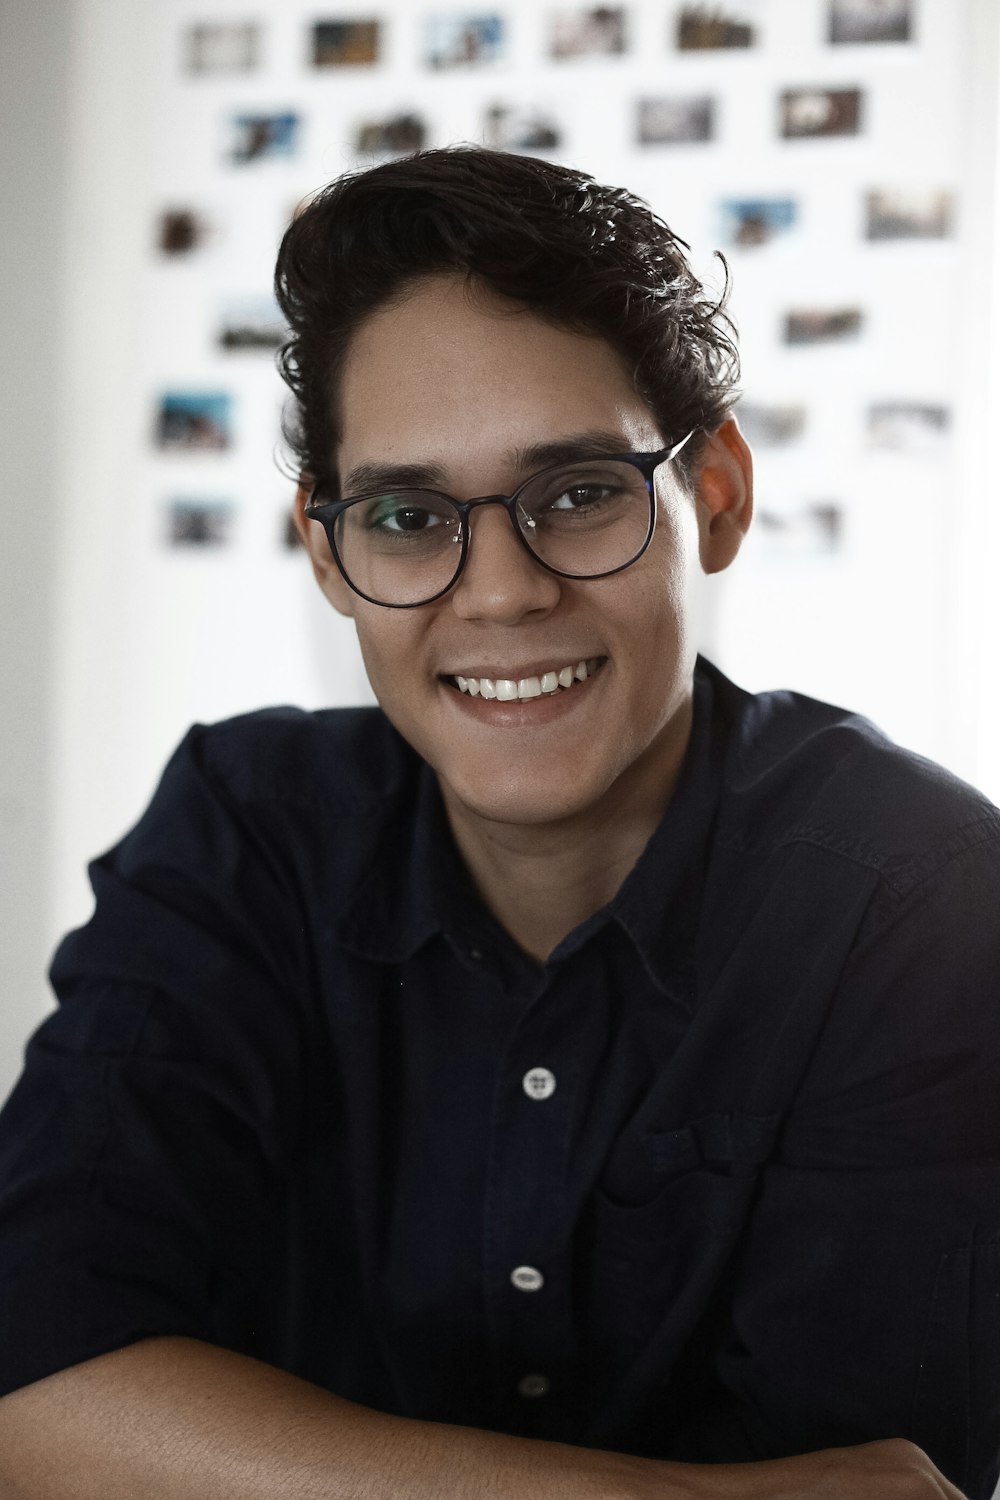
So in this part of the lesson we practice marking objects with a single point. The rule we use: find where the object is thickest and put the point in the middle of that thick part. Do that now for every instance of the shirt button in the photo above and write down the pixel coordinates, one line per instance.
(539, 1083)
(527, 1278)
(533, 1386)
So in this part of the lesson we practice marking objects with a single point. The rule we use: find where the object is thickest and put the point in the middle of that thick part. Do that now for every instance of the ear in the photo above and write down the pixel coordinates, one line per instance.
(328, 575)
(724, 495)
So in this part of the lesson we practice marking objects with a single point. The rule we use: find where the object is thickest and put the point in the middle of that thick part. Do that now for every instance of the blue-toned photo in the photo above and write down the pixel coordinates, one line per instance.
(194, 421)
(257, 137)
(747, 222)
(460, 41)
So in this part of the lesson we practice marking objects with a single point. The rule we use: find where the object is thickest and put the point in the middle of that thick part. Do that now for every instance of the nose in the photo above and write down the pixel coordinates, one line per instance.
(501, 581)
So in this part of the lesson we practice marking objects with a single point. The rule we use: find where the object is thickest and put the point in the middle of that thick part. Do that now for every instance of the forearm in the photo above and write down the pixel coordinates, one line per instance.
(174, 1419)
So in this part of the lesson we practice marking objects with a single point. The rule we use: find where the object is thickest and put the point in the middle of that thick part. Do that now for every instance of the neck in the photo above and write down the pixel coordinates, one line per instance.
(541, 881)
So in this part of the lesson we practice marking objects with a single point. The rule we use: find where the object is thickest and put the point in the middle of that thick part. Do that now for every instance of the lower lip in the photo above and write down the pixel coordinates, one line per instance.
(523, 713)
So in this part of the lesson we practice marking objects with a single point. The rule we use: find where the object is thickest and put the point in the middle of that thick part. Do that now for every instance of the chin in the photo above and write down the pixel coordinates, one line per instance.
(519, 803)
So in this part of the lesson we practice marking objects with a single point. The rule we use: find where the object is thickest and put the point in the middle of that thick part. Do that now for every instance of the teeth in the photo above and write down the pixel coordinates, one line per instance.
(507, 690)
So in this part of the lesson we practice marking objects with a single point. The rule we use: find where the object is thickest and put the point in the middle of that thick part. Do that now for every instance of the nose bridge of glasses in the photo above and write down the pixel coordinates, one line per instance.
(470, 505)
(501, 577)
(510, 504)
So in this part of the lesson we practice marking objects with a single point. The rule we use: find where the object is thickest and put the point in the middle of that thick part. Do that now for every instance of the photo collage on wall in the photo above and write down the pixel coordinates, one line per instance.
(262, 148)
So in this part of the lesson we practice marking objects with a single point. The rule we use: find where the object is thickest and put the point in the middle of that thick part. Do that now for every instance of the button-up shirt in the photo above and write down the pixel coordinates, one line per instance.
(720, 1180)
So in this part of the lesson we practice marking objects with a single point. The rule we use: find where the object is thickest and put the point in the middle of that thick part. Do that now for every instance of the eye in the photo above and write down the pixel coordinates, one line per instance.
(576, 496)
(406, 514)
(402, 516)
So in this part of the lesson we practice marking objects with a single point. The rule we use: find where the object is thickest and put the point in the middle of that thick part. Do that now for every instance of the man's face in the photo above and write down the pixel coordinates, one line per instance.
(453, 379)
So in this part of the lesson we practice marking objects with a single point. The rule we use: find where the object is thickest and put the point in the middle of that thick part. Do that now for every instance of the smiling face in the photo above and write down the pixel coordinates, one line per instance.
(476, 394)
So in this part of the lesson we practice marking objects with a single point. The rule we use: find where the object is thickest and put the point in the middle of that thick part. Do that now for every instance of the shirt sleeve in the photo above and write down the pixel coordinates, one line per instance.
(141, 1151)
(867, 1297)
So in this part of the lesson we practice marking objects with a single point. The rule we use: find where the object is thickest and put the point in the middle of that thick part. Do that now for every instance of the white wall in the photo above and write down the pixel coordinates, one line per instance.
(141, 640)
(34, 68)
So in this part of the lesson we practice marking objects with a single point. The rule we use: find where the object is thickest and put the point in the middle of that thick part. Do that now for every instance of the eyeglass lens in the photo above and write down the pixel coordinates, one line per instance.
(583, 520)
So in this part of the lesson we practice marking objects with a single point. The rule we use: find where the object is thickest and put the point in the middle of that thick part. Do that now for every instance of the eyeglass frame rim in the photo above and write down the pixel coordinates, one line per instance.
(646, 463)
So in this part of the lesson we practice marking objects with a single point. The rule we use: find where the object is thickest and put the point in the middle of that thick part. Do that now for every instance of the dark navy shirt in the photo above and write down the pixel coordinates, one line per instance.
(720, 1181)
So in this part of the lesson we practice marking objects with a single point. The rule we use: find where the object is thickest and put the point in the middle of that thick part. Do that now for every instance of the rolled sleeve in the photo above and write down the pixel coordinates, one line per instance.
(143, 1147)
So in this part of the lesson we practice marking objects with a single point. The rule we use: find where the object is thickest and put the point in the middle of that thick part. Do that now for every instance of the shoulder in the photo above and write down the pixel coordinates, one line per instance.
(797, 770)
(348, 759)
(306, 796)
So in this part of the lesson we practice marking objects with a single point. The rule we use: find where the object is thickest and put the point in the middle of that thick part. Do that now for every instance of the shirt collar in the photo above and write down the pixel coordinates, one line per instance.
(659, 904)
(389, 914)
(417, 886)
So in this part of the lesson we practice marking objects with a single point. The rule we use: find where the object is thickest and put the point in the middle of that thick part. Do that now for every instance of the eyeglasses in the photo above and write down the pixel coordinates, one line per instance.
(587, 518)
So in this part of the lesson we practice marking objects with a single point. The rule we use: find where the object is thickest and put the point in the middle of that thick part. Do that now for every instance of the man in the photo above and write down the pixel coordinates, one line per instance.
(578, 1077)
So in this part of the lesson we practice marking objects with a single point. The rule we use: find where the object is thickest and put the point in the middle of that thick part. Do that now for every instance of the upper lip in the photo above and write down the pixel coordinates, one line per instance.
(536, 668)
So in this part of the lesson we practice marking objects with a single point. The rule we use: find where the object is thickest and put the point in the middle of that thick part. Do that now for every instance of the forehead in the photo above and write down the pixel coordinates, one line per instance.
(450, 371)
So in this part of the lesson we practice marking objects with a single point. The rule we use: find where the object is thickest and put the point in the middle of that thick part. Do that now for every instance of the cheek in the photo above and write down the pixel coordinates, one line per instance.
(664, 579)
(382, 650)
(392, 647)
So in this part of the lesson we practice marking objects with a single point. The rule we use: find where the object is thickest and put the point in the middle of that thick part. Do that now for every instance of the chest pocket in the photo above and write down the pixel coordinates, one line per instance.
(664, 1220)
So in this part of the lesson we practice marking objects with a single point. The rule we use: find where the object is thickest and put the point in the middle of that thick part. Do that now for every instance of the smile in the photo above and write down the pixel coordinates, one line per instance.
(507, 689)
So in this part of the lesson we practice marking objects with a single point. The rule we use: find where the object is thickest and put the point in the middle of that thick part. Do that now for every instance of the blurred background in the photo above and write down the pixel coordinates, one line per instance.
(843, 154)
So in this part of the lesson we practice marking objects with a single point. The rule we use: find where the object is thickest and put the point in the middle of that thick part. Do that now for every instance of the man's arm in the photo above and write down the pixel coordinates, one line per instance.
(175, 1419)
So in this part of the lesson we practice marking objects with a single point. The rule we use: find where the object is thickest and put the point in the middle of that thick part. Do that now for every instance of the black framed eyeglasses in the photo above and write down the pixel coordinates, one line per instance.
(584, 518)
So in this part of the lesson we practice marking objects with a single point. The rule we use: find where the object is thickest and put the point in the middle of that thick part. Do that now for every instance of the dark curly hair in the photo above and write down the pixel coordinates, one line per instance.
(589, 258)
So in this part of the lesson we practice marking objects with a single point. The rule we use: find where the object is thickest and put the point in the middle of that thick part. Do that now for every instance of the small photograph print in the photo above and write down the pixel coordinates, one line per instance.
(770, 426)
(392, 137)
(463, 41)
(908, 426)
(811, 531)
(179, 231)
(251, 325)
(344, 44)
(854, 21)
(709, 28)
(222, 47)
(515, 128)
(823, 326)
(194, 422)
(593, 32)
(749, 222)
(675, 122)
(910, 215)
(820, 112)
(199, 523)
(263, 137)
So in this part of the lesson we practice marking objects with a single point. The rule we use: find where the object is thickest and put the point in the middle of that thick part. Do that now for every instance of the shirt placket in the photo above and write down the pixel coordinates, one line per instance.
(527, 1244)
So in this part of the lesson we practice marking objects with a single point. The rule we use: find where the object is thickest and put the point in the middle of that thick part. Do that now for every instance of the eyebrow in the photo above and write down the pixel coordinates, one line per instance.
(371, 478)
